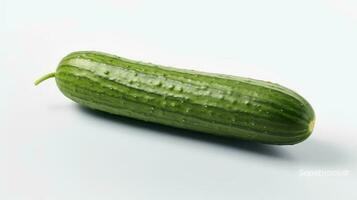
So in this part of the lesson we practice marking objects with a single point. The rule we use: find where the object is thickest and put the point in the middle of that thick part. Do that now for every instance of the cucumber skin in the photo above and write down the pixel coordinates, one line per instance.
(217, 104)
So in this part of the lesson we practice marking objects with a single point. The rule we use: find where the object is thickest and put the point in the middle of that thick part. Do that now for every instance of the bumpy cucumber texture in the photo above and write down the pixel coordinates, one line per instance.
(217, 104)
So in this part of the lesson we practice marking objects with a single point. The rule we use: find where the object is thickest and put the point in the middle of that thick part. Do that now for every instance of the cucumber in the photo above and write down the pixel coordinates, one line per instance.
(217, 104)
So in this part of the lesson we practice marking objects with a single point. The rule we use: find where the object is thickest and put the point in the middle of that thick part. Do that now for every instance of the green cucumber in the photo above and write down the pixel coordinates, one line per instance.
(217, 104)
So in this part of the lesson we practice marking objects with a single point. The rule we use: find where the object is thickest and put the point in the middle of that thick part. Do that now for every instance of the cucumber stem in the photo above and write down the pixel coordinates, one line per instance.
(45, 77)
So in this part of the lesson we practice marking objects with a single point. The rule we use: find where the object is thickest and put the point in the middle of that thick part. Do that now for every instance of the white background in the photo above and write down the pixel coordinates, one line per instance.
(50, 148)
